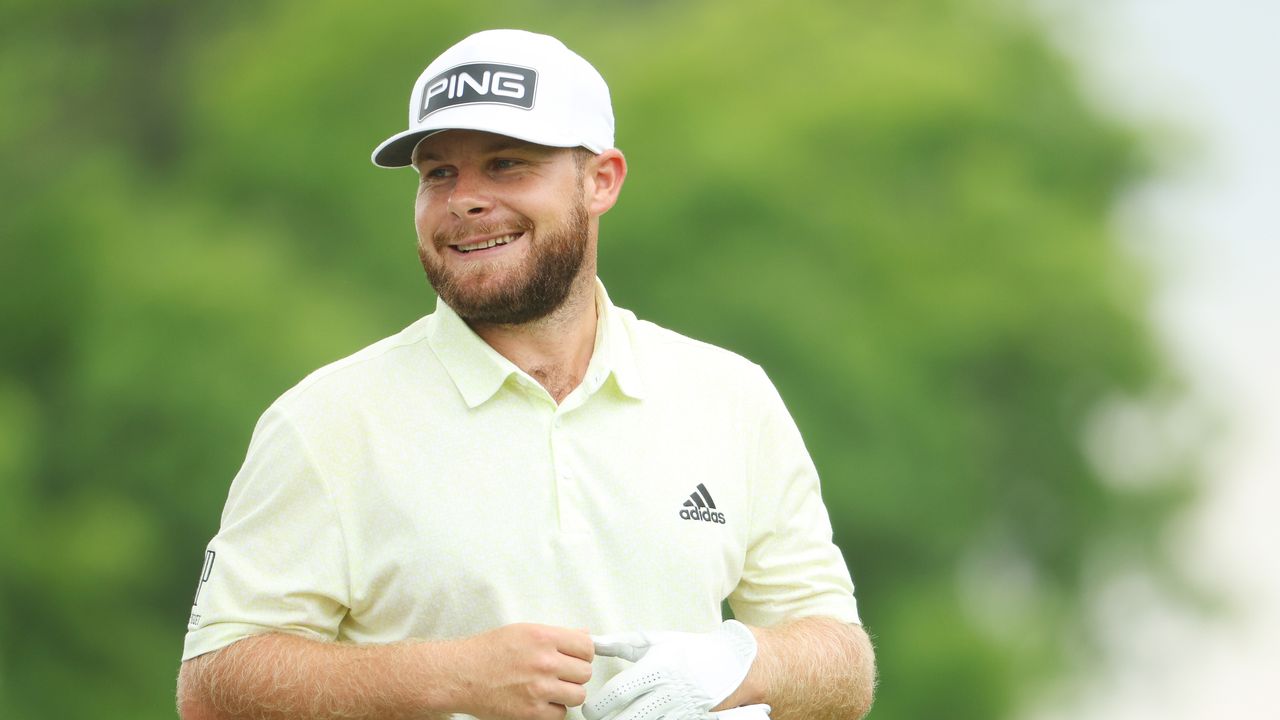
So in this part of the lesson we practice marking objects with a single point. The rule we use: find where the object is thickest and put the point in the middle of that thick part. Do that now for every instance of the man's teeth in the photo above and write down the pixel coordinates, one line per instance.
(485, 244)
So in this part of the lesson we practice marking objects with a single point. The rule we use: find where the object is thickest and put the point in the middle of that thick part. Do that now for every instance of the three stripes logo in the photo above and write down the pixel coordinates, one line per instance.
(700, 506)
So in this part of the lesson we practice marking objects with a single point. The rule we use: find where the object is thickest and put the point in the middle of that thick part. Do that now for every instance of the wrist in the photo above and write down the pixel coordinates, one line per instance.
(754, 687)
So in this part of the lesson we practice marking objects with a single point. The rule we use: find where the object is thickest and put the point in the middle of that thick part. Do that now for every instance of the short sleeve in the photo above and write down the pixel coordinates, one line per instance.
(278, 562)
(792, 568)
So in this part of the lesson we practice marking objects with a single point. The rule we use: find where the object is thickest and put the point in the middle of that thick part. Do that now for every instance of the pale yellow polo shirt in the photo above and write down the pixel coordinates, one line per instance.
(426, 487)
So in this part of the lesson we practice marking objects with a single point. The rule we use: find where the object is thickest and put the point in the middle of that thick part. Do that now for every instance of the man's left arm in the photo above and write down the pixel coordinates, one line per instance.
(814, 659)
(811, 668)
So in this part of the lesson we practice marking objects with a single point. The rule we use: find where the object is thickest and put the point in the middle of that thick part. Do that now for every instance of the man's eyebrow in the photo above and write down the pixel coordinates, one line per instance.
(499, 145)
(507, 144)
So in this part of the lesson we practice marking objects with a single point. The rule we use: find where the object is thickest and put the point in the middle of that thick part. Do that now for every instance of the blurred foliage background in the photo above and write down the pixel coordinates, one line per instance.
(898, 209)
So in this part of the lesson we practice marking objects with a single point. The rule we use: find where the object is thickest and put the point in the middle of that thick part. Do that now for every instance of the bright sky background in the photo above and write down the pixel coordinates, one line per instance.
(1208, 73)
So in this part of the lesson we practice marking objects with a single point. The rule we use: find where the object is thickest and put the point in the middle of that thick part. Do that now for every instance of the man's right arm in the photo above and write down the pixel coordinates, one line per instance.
(517, 671)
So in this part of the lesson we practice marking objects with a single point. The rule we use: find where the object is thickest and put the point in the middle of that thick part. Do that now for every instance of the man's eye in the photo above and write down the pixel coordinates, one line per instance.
(436, 173)
(505, 163)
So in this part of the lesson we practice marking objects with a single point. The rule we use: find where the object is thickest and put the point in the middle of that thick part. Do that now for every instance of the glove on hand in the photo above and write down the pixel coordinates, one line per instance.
(676, 674)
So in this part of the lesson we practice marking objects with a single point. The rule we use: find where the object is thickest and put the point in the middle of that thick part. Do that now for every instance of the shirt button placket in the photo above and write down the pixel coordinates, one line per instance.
(567, 501)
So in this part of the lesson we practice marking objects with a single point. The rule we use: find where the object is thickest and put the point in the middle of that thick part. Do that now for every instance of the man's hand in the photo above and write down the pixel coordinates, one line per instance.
(522, 672)
(676, 674)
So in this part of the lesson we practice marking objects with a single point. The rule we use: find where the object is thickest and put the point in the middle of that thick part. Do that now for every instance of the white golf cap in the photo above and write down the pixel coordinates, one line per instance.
(510, 82)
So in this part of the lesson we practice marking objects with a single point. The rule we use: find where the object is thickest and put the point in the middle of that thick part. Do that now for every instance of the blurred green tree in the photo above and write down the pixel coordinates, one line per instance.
(898, 209)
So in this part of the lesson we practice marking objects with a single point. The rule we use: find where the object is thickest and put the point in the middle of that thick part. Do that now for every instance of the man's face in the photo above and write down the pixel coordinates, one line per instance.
(503, 228)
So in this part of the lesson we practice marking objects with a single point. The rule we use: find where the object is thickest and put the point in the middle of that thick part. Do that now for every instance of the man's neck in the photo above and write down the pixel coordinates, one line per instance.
(554, 350)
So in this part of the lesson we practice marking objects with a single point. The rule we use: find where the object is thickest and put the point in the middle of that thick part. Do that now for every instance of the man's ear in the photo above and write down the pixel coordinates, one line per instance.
(603, 176)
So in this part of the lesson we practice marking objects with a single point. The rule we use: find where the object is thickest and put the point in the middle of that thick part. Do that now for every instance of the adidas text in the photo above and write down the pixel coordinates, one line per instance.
(703, 514)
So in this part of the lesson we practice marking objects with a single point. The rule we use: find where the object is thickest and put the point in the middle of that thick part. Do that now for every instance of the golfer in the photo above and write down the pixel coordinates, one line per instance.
(529, 504)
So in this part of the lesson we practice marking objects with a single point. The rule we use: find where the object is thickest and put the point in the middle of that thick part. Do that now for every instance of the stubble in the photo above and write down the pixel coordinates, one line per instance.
(530, 293)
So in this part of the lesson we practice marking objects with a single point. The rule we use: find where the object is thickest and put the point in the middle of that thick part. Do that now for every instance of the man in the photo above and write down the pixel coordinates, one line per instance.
(437, 524)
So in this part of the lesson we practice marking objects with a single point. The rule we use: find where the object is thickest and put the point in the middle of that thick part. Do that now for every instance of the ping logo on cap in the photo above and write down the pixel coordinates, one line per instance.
(479, 83)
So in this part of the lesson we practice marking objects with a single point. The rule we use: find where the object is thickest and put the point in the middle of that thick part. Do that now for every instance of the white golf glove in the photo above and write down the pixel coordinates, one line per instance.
(676, 675)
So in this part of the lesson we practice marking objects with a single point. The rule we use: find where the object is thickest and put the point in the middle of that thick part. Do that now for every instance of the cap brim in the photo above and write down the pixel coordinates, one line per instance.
(397, 150)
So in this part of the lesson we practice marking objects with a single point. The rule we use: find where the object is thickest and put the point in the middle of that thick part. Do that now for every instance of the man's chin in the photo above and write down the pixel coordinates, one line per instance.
(490, 301)
(499, 313)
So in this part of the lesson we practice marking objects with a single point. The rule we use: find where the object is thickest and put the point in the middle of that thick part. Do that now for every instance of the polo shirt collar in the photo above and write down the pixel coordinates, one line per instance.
(479, 371)
(614, 351)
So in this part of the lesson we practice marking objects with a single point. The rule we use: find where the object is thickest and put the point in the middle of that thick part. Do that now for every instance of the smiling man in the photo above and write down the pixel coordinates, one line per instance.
(527, 504)
(507, 232)
(483, 260)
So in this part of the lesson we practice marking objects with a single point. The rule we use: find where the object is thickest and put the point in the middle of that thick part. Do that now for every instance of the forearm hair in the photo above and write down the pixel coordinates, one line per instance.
(275, 676)
(817, 669)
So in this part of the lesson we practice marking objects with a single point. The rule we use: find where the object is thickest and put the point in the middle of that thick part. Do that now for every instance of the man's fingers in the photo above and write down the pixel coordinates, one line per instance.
(576, 643)
(568, 694)
(626, 645)
(515, 664)
(574, 670)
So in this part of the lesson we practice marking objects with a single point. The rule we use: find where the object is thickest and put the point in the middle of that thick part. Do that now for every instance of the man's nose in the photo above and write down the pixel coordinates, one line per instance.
(470, 197)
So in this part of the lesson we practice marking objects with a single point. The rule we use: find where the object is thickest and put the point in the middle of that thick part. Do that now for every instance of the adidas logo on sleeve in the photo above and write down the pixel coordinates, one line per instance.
(700, 506)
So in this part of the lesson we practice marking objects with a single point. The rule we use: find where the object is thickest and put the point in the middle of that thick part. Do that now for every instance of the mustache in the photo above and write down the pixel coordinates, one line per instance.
(452, 236)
